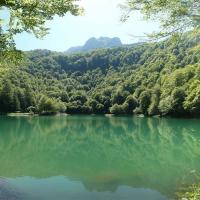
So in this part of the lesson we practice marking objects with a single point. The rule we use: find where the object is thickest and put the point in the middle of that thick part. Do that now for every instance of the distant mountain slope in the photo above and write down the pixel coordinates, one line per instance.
(94, 43)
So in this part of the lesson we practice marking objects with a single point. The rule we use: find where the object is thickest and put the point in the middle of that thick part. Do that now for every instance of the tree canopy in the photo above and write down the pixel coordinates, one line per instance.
(30, 16)
(173, 15)
(160, 78)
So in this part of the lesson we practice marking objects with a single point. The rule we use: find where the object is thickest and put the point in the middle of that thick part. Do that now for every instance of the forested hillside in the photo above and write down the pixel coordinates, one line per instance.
(161, 78)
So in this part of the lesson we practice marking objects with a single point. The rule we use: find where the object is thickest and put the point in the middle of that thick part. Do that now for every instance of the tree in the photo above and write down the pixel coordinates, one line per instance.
(31, 15)
(117, 109)
(131, 103)
(7, 97)
(119, 96)
(155, 98)
(96, 107)
(192, 102)
(173, 15)
(178, 97)
(144, 101)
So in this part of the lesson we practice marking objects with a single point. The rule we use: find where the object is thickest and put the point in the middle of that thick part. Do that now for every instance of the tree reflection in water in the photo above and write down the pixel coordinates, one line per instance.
(103, 152)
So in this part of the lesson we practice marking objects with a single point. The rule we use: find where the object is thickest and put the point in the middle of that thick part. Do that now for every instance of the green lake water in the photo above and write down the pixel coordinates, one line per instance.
(97, 157)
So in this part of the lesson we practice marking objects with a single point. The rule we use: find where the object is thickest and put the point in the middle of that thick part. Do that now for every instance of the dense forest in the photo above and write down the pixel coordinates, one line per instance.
(157, 78)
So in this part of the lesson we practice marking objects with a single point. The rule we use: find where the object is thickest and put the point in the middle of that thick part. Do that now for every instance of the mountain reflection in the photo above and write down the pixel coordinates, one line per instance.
(102, 153)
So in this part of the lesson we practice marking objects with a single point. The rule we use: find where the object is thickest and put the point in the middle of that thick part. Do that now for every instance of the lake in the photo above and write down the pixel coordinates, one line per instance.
(97, 157)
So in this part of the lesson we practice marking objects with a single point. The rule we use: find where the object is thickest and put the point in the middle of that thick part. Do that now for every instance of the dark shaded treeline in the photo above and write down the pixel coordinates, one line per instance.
(160, 78)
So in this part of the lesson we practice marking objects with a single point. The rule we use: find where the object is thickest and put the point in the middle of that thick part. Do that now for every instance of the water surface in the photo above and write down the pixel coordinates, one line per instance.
(96, 157)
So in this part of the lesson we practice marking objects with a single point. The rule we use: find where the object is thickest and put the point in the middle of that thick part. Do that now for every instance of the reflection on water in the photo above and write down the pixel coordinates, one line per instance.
(61, 188)
(96, 157)
(7, 192)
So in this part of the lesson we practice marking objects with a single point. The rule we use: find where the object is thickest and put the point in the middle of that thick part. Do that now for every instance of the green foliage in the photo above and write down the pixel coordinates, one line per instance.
(30, 16)
(7, 97)
(174, 15)
(144, 101)
(131, 103)
(189, 193)
(118, 109)
(45, 105)
(192, 102)
(153, 79)
(154, 101)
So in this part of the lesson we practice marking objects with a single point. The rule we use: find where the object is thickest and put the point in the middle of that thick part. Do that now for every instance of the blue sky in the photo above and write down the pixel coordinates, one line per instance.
(101, 18)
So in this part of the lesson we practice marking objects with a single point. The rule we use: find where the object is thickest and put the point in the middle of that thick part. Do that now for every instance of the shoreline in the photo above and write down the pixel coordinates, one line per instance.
(21, 114)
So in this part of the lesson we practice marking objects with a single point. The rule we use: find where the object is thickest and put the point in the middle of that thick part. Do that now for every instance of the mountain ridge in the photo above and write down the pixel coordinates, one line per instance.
(96, 43)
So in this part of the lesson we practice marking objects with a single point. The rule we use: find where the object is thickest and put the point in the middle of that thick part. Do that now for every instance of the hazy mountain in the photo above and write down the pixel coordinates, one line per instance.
(94, 43)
